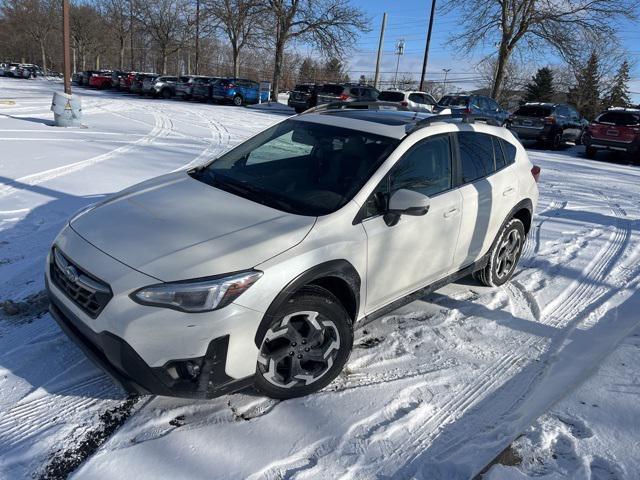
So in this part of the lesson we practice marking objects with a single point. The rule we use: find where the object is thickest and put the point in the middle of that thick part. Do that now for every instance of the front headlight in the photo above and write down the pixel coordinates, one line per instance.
(201, 295)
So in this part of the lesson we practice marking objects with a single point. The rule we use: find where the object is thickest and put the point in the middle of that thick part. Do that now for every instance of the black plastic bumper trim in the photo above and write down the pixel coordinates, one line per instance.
(121, 362)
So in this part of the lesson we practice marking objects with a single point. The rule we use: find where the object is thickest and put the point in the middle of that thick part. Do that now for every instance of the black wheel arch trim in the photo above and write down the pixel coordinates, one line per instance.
(341, 269)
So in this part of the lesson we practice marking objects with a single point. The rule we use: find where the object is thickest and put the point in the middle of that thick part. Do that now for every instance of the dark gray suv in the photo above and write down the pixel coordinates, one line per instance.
(550, 124)
(478, 105)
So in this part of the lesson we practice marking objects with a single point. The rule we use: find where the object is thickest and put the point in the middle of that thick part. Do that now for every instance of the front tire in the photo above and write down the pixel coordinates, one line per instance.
(504, 255)
(305, 346)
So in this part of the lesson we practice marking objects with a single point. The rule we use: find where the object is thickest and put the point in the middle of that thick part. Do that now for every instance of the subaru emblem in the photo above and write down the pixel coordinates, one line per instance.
(71, 273)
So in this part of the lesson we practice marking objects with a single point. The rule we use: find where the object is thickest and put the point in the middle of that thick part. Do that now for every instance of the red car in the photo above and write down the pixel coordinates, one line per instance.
(125, 82)
(615, 129)
(100, 80)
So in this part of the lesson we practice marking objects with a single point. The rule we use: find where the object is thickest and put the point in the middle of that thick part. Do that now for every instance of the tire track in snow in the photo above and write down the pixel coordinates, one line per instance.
(160, 120)
(575, 300)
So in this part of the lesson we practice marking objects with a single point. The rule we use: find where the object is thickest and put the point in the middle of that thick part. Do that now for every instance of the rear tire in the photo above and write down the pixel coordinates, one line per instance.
(166, 94)
(305, 346)
(504, 255)
(237, 101)
(555, 142)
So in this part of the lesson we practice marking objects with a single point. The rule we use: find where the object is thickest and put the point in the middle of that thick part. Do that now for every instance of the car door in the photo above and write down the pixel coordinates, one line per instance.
(418, 250)
(417, 101)
(489, 188)
(576, 124)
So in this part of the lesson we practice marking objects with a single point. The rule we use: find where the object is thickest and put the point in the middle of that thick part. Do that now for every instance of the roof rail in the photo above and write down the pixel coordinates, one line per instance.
(368, 105)
(451, 117)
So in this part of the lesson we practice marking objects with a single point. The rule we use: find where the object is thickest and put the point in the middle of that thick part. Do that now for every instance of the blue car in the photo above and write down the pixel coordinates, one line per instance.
(237, 91)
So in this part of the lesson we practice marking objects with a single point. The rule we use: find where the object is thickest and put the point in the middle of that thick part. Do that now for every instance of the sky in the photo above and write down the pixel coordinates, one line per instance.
(408, 20)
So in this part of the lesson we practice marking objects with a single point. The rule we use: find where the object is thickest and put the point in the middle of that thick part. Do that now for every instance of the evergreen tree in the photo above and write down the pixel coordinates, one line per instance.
(307, 72)
(618, 95)
(585, 95)
(540, 89)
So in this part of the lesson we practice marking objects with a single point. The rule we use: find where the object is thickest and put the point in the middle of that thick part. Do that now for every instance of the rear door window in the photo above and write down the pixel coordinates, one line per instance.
(476, 155)
(416, 97)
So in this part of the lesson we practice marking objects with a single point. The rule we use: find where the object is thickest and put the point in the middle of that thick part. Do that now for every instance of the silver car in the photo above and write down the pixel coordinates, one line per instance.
(409, 99)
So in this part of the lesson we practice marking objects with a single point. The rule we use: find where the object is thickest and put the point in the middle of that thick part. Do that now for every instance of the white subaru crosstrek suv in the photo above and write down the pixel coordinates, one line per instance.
(254, 268)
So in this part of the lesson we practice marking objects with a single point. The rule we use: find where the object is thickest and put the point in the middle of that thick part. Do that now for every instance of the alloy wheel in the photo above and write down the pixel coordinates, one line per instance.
(508, 253)
(299, 350)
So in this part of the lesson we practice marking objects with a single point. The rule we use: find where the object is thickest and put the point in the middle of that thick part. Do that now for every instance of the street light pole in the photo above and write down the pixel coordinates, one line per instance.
(444, 83)
(66, 50)
(376, 78)
(426, 48)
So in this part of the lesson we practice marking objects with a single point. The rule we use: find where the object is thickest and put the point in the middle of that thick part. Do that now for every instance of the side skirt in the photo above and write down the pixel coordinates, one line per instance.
(474, 267)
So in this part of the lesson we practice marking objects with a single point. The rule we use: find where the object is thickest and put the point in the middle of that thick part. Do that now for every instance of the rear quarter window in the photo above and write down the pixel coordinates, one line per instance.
(332, 89)
(619, 118)
(509, 151)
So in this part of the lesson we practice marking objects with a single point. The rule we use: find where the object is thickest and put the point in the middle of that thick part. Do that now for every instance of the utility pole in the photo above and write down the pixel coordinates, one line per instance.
(131, 32)
(376, 78)
(444, 83)
(197, 33)
(66, 44)
(426, 48)
(399, 52)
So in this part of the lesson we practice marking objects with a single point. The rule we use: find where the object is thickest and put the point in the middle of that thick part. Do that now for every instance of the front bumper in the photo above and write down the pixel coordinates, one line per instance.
(121, 362)
(149, 349)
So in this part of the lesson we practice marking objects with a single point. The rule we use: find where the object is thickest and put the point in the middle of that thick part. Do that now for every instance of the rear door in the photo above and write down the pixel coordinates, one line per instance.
(488, 189)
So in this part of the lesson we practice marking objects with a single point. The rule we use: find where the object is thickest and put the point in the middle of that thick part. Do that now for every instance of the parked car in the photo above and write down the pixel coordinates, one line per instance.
(201, 88)
(85, 76)
(478, 105)
(28, 70)
(11, 69)
(409, 99)
(138, 79)
(164, 87)
(614, 129)
(340, 92)
(303, 97)
(238, 91)
(127, 81)
(147, 84)
(184, 86)
(100, 80)
(264, 260)
(116, 78)
(551, 124)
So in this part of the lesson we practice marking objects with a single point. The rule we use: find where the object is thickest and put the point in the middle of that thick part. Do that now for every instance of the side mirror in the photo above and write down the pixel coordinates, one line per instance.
(406, 202)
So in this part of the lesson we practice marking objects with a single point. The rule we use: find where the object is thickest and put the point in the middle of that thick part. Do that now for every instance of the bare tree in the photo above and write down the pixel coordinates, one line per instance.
(239, 20)
(514, 79)
(167, 22)
(117, 16)
(326, 24)
(564, 25)
(36, 18)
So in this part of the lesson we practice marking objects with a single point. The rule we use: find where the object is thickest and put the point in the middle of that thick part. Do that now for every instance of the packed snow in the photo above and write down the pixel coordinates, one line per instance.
(435, 390)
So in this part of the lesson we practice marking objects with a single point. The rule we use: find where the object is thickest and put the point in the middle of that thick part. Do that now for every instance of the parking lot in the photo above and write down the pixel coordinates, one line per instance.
(436, 389)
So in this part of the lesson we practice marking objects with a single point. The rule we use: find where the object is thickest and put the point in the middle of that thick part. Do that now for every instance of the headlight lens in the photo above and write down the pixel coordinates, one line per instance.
(197, 295)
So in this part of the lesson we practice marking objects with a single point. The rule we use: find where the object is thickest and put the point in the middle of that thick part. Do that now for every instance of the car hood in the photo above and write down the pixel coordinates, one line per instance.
(176, 228)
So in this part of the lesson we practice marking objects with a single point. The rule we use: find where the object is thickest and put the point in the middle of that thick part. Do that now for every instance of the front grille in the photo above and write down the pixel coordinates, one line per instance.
(86, 291)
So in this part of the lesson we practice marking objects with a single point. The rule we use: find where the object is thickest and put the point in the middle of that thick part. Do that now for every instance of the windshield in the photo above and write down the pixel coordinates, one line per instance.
(453, 101)
(300, 167)
(533, 111)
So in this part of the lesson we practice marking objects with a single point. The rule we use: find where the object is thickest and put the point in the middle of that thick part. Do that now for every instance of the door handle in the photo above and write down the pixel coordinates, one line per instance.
(451, 212)
(508, 191)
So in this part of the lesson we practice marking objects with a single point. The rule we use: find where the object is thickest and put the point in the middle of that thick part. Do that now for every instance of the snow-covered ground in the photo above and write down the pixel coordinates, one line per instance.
(435, 390)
